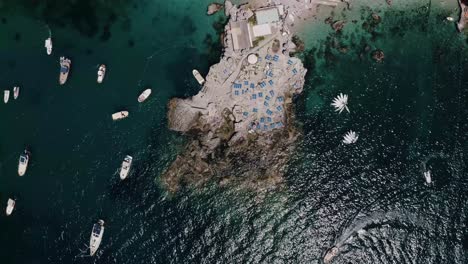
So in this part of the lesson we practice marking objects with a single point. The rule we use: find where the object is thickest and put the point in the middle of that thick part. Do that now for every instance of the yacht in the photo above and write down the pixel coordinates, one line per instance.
(198, 76)
(48, 45)
(119, 115)
(65, 65)
(101, 73)
(10, 206)
(16, 92)
(144, 95)
(96, 237)
(427, 176)
(125, 168)
(23, 163)
(6, 96)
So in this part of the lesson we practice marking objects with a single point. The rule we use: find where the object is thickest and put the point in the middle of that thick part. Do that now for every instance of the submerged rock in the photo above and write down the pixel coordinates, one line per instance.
(213, 8)
(338, 25)
(378, 55)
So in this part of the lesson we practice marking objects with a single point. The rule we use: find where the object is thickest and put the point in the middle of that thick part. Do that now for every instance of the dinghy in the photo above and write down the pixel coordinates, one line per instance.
(119, 115)
(10, 206)
(6, 96)
(15, 92)
(125, 168)
(96, 237)
(23, 163)
(144, 95)
(48, 46)
(65, 65)
(101, 73)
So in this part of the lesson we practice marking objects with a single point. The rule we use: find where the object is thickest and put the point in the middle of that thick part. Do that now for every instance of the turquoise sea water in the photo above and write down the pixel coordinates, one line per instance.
(369, 199)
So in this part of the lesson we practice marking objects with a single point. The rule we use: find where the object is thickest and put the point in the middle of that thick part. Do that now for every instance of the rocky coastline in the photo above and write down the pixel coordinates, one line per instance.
(241, 124)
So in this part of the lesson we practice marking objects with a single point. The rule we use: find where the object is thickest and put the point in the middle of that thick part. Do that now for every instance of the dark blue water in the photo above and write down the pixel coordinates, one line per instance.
(368, 199)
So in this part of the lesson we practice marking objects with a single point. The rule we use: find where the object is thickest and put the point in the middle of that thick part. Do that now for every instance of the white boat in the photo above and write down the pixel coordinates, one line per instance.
(65, 65)
(48, 46)
(119, 115)
(125, 168)
(451, 19)
(144, 95)
(198, 76)
(96, 237)
(340, 103)
(10, 206)
(101, 73)
(427, 176)
(6, 96)
(16, 92)
(350, 137)
(23, 163)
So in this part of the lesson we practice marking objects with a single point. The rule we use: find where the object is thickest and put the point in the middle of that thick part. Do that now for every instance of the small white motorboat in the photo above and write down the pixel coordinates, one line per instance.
(96, 237)
(198, 76)
(6, 96)
(101, 73)
(341, 103)
(427, 176)
(350, 137)
(144, 95)
(125, 168)
(451, 19)
(48, 45)
(10, 206)
(16, 92)
(119, 115)
(65, 65)
(23, 163)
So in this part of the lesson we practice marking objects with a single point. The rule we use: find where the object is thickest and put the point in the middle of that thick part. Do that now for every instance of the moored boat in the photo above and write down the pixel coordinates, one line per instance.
(16, 92)
(65, 65)
(23, 163)
(125, 168)
(427, 176)
(101, 73)
(48, 45)
(96, 237)
(10, 206)
(198, 76)
(6, 96)
(119, 115)
(144, 95)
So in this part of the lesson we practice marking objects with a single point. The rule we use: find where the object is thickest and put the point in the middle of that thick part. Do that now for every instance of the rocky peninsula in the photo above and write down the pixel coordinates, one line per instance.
(241, 123)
